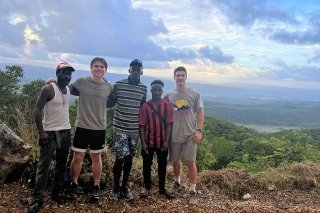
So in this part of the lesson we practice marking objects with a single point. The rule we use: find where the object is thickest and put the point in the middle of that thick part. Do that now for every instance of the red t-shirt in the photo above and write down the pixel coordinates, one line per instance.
(155, 128)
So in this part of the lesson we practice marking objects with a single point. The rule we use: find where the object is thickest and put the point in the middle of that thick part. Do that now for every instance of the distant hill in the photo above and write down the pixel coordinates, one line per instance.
(209, 91)
(264, 108)
(266, 115)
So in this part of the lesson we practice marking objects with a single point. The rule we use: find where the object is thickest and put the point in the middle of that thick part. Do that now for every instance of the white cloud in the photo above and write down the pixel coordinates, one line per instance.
(219, 41)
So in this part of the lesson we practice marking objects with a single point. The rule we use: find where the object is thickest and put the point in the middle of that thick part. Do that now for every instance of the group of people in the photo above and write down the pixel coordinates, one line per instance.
(171, 123)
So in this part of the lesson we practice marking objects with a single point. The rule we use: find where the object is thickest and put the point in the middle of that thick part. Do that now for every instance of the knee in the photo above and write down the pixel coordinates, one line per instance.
(78, 157)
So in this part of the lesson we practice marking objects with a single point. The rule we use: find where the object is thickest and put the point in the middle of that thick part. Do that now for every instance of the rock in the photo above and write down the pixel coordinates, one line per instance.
(271, 187)
(193, 200)
(14, 154)
(246, 196)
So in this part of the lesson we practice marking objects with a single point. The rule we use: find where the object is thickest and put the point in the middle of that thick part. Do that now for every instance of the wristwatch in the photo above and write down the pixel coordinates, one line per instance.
(200, 130)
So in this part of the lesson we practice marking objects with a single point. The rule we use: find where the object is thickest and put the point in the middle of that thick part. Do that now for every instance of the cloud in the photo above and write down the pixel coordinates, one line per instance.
(215, 54)
(281, 21)
(112, 28)
(308, 35)
(247, 12)
(283, 71)
(315, 58)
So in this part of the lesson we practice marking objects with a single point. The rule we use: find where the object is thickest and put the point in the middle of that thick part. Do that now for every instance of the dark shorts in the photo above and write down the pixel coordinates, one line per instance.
(124, 145)
(89, 139)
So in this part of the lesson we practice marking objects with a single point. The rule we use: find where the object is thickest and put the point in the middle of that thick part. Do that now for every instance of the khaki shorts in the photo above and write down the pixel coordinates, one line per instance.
(186, 151)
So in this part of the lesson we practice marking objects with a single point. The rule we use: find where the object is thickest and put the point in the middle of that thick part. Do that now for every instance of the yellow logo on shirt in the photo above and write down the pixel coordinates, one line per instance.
(182, 104)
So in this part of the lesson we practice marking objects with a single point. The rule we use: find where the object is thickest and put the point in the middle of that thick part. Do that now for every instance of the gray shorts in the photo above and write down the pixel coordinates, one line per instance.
(124, 145)
(183, 150)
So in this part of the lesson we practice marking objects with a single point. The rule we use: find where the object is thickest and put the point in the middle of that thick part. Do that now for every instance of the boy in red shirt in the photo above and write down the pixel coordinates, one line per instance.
(155, 133)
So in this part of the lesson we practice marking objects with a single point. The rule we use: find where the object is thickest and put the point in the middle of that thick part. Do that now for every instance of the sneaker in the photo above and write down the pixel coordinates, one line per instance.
(144, 193)
(192, 192)
(177, 185)
(125, 193)
(59, 199)
(169, 195)
(96, 191)
(72, 190)
(35, 206)
(115, 193)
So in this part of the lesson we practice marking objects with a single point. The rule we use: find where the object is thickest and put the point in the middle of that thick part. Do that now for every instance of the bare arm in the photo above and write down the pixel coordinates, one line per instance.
(46, 94)
(200, 120)
(143, 142)
(73, 90)
(168, 137)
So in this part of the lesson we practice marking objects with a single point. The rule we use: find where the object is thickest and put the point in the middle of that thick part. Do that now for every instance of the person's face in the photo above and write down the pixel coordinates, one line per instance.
(135, 72)
(156, 91)
(64, 77)
(180, 77)
(98, 69)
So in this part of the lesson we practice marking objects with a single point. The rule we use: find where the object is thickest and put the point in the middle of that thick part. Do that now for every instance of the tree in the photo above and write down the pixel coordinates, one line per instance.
(9, 88)
(224, 152)
(205, 157)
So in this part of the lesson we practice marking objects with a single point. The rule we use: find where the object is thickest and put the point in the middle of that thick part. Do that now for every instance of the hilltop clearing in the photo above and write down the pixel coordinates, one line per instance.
(292, 188)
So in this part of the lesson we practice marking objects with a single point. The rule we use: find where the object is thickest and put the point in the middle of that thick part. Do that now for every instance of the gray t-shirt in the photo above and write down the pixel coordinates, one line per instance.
(185, 105)
(92, 105)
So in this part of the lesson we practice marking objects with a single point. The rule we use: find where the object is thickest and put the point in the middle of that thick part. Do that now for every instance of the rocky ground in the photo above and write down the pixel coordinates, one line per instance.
(15, 198)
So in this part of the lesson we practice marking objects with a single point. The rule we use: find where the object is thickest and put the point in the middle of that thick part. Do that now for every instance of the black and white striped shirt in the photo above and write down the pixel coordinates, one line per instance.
(129, 97)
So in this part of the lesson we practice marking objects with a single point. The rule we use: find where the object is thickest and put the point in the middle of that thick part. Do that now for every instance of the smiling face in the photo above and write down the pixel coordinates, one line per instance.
(98, 70)
(180, 77)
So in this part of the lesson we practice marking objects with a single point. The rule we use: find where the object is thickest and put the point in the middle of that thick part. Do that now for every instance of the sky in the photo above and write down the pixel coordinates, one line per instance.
(222, 42)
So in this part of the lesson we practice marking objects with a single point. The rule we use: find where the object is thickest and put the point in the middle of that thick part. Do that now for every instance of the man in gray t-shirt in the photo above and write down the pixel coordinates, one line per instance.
(188, 119)
(90, 131)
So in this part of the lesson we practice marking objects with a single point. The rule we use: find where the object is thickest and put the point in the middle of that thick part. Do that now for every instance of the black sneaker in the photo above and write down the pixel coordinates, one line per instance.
(60, 199)
(115, 193)
(35, 206)
(169, 195)
(192, 192)
(96, 191)
(177, 185)
(72, 190)
(95, 194)
(125, 193)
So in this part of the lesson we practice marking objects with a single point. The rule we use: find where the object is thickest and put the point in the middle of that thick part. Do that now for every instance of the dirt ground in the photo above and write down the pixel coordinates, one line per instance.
(15, 198)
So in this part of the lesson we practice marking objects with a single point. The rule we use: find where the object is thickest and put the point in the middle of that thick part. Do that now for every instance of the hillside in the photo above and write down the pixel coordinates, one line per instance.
(219, 191)
(270, 113)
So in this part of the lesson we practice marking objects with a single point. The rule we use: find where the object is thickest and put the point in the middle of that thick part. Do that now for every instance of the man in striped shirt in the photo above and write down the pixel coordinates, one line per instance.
(127, 96)
(155, 130)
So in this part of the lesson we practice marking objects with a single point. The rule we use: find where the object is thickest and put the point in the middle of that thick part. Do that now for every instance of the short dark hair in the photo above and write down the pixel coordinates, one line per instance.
(102, 60)
(157, 82)
(181, 68)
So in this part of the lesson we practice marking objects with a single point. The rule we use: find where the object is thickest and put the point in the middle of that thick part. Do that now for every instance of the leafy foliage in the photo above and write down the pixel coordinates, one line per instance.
(225, 145)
